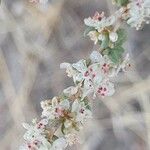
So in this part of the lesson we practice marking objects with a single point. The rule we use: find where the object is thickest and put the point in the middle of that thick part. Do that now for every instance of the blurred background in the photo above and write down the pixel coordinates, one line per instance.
(34, 40)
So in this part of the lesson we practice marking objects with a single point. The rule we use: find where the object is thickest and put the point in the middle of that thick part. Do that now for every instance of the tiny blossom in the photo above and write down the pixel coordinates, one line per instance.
(56, 109)
(103, 26)
(85, 73)
(81, 110)
(34, 136)
(88, 75)
(98, 16)
(139, 13)
(105, 89)
(105, 64)
(100, 23)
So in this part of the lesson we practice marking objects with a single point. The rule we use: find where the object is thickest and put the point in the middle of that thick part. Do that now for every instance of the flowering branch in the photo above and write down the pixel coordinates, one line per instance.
(64, 116)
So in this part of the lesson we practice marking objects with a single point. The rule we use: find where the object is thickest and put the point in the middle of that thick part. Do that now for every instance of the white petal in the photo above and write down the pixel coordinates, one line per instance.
(44, 121)
(78, 77)
(26, 126)
(96, 56)
(54, 101)
(64, 65)
(75, 106)
(97, 80)
(80, 66)
(59, 144)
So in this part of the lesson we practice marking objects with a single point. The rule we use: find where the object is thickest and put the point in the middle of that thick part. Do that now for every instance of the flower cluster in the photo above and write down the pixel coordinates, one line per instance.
(94, 75)
(101, 28)
(139, 13)
(107, 34)
(62, 119)
(64, 116)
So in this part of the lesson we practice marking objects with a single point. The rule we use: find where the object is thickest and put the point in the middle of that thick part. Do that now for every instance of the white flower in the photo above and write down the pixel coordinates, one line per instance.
(82, 70)
(56, 109)
(35, 130)
(32, 132)
(101, 23)
(81, 110)
(105, 64)
(105, 89)
(59, 144)
(139, 13)
(34, 136)
(89, 76)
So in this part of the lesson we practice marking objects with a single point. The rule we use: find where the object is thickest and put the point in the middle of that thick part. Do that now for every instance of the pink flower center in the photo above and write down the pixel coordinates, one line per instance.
(102, 91)
(86, 74)
(98, 16)
(92, 73)
(91, 69)
(41, 125)
(29, 146)
(36, 142)
(82, 110)
(59, 111)
(139, 3)
(105, 68)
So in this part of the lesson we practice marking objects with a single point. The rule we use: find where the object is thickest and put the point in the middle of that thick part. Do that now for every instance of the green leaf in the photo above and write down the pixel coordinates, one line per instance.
(105, 42)
(88, 62)
(87, 30)
(86, 102)
(122, 2)
(122, 36)
(63, 96)
(106, 51)
(62, 128)
(115, 54)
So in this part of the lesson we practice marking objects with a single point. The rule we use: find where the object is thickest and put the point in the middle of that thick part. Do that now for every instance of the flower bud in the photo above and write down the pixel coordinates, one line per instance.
(113, 36)
(101, 37)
